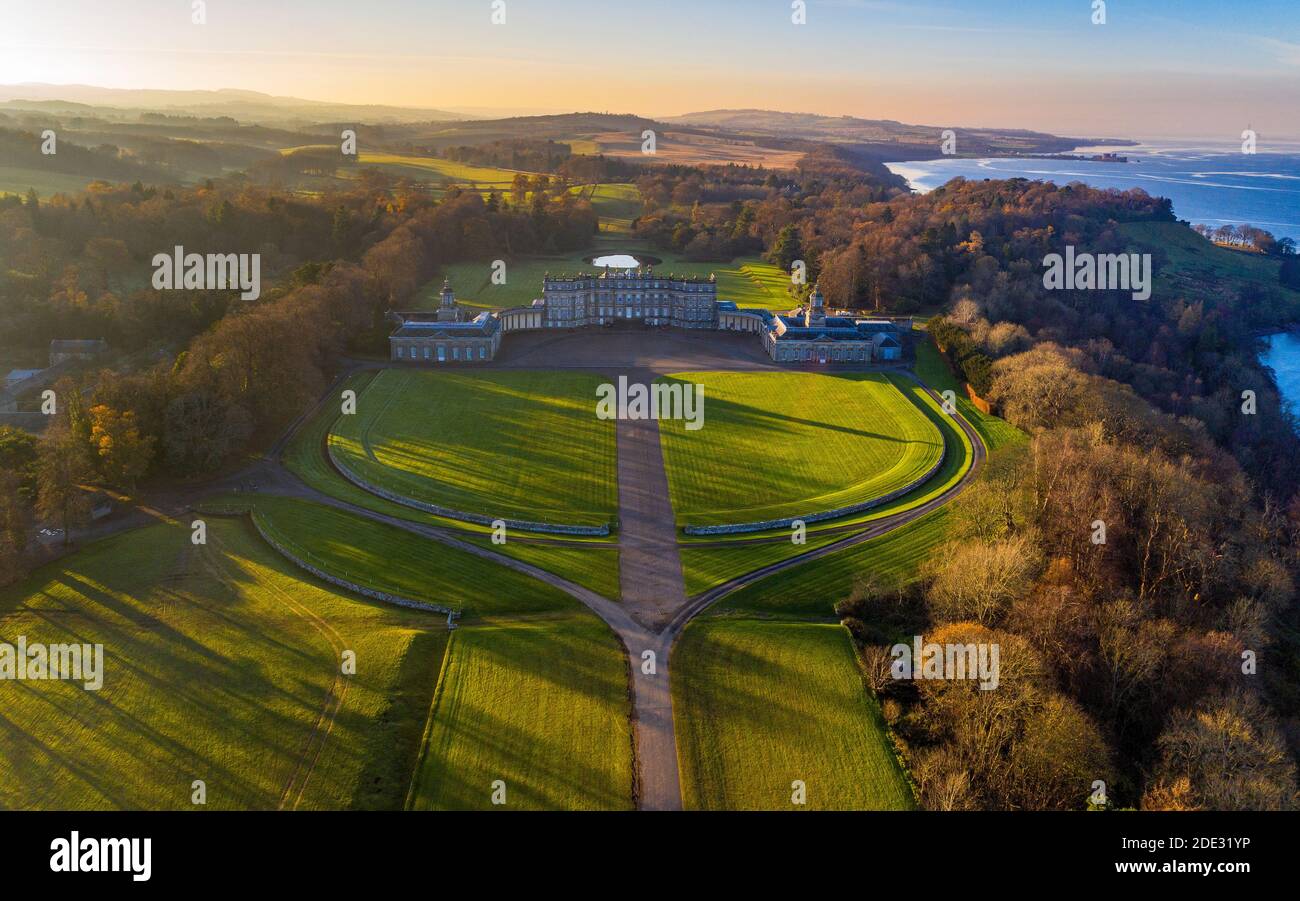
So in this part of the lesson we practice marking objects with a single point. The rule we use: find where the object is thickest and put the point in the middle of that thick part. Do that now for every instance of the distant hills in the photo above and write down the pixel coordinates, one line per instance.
(182, 136)
(885, 138)
(250, 107)
(888, 139)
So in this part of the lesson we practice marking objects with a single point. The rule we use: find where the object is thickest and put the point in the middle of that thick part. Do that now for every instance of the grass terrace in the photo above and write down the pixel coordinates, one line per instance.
(593, 564)
(784, 444)
(758, 705)
(510, 445)
(390, 559)
(543, 707)
(811, 590)
(934, 372)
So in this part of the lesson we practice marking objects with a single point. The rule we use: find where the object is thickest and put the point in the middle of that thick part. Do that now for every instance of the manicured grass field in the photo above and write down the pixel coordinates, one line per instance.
(705, 567)
(748, 281)
(594, 565)
(542, 706)
(521, 445)
(811, 589)
(384, 557)
(222, 663)
(956, 463)
(758, 705)
(786, 444)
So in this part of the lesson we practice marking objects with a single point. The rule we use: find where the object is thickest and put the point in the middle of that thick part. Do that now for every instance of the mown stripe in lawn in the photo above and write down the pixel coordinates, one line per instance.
(759, 705)
(541, 707)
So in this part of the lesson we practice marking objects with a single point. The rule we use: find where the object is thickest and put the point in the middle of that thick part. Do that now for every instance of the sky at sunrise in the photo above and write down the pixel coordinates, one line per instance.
(1187, 68)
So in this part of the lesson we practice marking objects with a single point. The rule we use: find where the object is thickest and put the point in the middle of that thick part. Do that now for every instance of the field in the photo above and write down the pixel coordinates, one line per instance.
(384, 557)
(705, 567)
(542, 706)
(18, 180)
(423, 168)
(787, 444)
(523, 445)
(1194, 265)
(594, 565)
(686, 149)
(221, 663)
(616, 205)
(811, 590)
(747, 281)
(957, 462)
(429, 169)
(758, 705)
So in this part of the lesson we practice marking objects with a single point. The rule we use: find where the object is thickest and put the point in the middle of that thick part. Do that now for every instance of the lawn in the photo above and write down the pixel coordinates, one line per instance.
(543, 707)
(758, 705)
(509, 445)
(788, 444)
(594, 565)
(222, 663)
(956, 463)
(747, 281)
(704, 567)
(376, 555)
(811, 589)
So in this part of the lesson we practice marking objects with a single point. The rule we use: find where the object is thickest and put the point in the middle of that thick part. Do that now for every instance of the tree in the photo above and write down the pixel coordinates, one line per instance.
(110, 256)
(341, 229)
(61, 468)
(1289, 274)
(1020, 746)
(202, 431)
(1227, 754)
(519, 189)
(1057, 757)
(124, 454)
(787, 248)
(979, 580)
(15, 520)
(18, 456)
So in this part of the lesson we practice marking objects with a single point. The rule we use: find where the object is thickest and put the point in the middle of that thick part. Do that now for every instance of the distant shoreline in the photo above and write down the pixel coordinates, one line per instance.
(1212, 185)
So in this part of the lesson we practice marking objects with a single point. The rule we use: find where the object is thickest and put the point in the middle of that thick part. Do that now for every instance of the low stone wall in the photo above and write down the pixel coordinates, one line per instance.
(344, 583)
(862, 507)
(480, 519)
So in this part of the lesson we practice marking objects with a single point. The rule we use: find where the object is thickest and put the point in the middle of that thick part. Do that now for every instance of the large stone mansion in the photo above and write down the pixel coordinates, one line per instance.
(804, 335)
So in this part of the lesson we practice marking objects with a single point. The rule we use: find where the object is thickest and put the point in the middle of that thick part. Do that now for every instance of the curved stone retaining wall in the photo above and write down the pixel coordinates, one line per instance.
(478, 518)
(742, 527)
(344, 583)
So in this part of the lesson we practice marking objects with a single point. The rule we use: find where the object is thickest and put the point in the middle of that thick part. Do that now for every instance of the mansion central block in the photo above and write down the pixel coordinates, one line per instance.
(804, 335)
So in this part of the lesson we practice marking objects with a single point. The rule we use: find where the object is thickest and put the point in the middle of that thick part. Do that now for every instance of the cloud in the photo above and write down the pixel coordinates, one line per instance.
(1285, 51)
